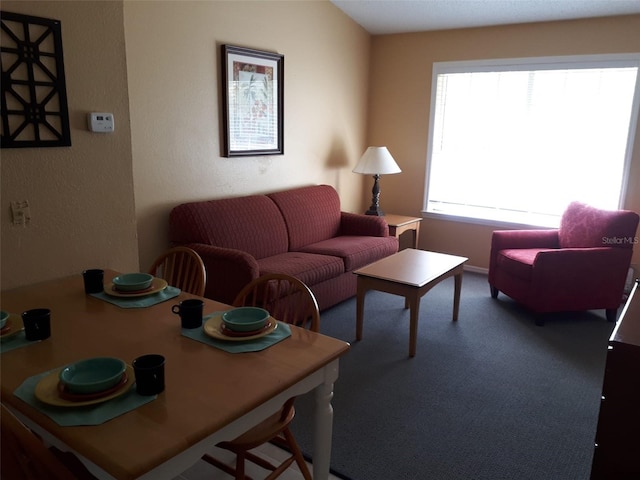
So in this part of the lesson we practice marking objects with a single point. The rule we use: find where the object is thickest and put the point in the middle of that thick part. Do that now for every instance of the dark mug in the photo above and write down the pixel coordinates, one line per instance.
(190, 312)
(93, 280)
(37, 323)
(149, 372)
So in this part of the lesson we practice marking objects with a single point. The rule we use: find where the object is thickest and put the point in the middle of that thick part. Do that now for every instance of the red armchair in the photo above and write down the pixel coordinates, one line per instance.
(580, 266)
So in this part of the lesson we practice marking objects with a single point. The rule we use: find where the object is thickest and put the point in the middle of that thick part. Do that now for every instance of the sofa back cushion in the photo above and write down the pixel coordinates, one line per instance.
(584, 226)
(252, 224)
(312, 214)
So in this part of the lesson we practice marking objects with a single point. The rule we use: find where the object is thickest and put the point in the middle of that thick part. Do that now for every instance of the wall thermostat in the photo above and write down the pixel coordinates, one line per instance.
(100, 122)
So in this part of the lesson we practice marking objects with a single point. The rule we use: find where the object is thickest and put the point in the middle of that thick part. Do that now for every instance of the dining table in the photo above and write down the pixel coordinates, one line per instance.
(211, 394)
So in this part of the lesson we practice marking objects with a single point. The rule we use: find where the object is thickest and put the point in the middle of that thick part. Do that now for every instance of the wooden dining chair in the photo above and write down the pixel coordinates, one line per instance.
(26, 457)
(183, 268)
(288, 300)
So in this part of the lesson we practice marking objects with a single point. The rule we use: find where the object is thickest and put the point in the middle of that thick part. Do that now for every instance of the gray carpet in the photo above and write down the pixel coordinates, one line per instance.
(491, 397)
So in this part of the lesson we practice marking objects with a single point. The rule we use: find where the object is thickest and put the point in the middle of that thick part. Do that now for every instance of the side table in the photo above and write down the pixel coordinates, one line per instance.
(398, 224)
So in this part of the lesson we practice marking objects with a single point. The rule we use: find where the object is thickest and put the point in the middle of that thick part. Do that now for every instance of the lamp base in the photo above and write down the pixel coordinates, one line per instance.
(374, 210)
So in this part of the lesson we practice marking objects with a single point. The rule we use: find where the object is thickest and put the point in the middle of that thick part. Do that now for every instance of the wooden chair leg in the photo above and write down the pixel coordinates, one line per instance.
(297, 454)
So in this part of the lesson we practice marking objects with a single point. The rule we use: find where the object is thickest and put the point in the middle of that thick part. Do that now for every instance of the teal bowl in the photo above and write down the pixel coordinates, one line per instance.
(4, 316)
(131, 282)
(245, 319)
(92, 375)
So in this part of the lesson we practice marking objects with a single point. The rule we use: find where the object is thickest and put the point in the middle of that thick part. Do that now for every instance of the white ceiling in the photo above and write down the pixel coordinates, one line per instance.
(401, 16)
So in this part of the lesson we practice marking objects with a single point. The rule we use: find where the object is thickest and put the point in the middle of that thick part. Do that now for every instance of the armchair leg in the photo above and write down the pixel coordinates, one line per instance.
(494, 291)
(539, 318)
(612, 313)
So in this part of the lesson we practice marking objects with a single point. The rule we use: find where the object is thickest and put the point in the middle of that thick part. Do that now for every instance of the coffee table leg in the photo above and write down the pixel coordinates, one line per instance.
(456, 295)
(361, 291)
(414, 313)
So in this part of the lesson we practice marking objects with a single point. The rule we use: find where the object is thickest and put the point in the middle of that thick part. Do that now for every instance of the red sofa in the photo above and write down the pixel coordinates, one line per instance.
(580, 266)
(301, 232)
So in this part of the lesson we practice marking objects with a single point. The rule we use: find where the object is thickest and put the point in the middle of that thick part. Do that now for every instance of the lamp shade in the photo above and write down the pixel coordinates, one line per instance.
(377, 161)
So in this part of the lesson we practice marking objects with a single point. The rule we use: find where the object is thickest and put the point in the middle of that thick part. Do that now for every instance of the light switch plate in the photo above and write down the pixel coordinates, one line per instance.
(101, 122)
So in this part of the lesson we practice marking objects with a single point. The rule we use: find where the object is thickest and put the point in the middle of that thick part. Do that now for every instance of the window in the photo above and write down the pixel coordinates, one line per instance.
(516, 141)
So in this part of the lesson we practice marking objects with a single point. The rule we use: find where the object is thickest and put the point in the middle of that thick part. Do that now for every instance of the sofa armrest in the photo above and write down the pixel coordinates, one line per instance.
(228, 270)
(357, 224)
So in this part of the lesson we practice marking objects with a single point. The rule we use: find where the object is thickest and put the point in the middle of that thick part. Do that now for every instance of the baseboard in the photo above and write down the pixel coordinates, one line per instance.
(474, 269)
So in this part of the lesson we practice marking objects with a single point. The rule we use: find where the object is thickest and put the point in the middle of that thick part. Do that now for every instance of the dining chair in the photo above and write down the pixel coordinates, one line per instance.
(183, 268)
(291, 301)
(25, 456)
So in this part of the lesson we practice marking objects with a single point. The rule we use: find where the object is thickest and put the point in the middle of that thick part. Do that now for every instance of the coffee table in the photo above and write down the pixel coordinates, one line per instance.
(410, 273)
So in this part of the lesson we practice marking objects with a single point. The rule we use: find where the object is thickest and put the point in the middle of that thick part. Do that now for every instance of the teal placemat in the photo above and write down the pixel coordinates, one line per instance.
(85, 415)
(283, 331)
(17, 341)
(140, 302)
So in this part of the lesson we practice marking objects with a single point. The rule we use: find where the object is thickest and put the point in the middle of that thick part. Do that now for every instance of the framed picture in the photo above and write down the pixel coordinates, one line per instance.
(252, 101)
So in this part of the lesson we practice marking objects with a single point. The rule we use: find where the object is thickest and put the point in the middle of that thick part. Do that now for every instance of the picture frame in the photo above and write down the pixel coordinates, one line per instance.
(252, 102)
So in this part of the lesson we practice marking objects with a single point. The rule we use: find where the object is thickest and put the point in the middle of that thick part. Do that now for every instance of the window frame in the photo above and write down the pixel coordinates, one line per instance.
(526, 64)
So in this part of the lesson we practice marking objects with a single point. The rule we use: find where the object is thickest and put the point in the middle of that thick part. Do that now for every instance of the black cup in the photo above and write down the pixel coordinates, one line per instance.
(93, 280)
(37, 323)
(149, 370)
(190, 312)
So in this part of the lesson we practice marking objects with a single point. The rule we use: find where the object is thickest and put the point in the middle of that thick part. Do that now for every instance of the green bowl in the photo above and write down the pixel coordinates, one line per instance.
(131, 282)
(4, 316)
(93, 374)
(245, 319)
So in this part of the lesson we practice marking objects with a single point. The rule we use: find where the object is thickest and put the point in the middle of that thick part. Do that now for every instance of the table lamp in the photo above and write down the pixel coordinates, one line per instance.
(376, 161)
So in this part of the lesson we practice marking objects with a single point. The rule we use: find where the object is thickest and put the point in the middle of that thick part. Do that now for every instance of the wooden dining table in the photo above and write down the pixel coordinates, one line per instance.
(210, 395)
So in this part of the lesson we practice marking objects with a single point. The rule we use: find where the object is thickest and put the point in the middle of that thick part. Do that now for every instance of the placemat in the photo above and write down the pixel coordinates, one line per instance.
(283, 331)
(17, 341)
(140, 302)
(85, 415)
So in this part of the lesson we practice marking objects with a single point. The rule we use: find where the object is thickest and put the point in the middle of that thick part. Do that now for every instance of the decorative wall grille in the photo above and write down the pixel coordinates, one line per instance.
(34, 97)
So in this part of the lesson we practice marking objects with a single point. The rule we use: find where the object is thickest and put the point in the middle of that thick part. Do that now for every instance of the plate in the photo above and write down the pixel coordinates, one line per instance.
(225, 330)
(47, 391)
(212, 327)
(10, 329)
(81, 397)
(157, 285)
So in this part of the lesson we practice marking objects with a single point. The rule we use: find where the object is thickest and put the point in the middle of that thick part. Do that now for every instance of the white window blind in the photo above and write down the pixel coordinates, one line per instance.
(516, 141)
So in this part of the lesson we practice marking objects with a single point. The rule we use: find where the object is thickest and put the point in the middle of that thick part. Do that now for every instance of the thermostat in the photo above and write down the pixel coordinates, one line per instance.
(100, 122)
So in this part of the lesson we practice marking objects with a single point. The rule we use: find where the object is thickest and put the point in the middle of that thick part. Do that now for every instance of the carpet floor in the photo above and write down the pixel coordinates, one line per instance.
(492, 396)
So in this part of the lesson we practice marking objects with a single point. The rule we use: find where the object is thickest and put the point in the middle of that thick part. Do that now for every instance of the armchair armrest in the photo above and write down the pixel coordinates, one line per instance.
(228, 270)
(582, 273)
(357, 224)
(502, 239)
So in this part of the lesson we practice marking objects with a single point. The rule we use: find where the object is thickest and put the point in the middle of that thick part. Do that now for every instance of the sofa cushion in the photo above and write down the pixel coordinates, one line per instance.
(585, 226)
(308, 267)
(252, 224)
(312, 214)
(355, 251)
(518, 261)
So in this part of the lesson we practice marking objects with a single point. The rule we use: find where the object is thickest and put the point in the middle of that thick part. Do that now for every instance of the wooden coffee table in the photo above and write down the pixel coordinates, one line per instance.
(410, 273)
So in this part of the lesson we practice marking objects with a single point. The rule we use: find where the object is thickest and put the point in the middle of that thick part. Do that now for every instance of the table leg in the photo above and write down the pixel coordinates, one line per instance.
(361, 292)
(323, 424)
(456, 295)
(414, 313)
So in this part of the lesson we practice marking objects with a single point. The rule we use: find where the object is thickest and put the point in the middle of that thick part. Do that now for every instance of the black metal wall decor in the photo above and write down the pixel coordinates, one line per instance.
(33, 89)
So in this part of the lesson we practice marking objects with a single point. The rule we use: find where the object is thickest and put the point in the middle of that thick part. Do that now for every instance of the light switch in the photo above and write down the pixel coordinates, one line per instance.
(100, 122)
(20, 213)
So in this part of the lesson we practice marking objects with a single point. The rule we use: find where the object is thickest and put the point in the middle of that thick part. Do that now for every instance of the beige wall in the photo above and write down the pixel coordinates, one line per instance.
(81, 197)
(173, 60)
(400, 101)
(104, 202)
